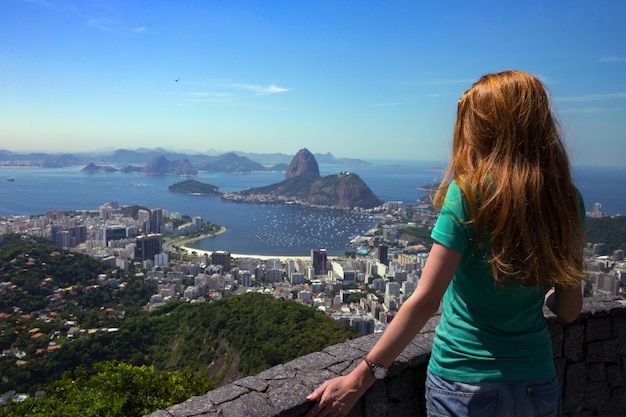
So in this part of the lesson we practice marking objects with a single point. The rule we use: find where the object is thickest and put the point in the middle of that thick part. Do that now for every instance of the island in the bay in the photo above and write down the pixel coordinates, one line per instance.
(303, 184)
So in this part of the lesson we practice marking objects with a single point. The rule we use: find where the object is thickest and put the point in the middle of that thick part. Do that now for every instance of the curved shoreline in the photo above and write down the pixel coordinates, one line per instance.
(183, 245)
(282, 258)
(182, 242)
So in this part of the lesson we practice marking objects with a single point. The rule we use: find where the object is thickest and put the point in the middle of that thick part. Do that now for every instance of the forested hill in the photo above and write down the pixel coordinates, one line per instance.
(608, 230)
(60, 310)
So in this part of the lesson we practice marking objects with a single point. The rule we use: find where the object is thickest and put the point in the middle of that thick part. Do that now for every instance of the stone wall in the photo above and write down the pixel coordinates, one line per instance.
(589, 356)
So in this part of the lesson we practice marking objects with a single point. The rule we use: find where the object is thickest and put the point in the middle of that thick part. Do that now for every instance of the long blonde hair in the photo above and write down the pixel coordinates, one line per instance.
(510, 163)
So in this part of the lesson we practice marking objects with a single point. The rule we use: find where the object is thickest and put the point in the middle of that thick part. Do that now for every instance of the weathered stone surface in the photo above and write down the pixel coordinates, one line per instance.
(602, 351)
(573, 346)
(160, 413)
(252, 383)
(278, 372)
(596, 372)
(618, 399)
(344, 351)
(288, 396)
(223, 394)
(314, 360)
(598, 329)
(193, 407)
(376, 403)
(597, 396)
(339, 368)
(556, 335)
(575, 379)
(619, 326)
(253, 404)
(614, 376)
(314, 378)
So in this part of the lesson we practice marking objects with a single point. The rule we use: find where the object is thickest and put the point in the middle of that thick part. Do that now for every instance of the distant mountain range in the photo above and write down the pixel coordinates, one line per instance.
(159, 161)
(302, 179)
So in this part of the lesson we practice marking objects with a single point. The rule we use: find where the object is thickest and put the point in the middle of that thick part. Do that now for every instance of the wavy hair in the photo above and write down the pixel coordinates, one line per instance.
(512, 167)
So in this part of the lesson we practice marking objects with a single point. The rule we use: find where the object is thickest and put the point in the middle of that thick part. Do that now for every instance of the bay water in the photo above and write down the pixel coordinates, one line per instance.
(261, 229)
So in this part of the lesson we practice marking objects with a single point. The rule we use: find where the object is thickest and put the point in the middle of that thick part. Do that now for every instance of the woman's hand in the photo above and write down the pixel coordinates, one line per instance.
(337, 396)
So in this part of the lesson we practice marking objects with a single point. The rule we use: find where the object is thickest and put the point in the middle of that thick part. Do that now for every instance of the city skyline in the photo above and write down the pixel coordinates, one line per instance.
(357, 79)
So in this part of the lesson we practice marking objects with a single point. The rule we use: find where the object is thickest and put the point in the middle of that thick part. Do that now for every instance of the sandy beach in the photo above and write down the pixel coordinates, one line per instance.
(282, 258)
(182, 244)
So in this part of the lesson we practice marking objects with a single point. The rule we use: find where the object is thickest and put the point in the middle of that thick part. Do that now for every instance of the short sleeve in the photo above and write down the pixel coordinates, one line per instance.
(450, 229)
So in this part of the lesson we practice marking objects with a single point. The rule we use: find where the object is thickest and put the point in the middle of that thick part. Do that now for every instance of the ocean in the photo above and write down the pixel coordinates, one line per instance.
(258, 229)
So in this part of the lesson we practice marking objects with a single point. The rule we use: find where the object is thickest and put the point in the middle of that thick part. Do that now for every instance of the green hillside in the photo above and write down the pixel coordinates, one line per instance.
(48, 294)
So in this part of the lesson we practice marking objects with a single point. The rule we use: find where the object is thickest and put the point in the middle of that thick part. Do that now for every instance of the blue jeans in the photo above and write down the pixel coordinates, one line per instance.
(493, 399)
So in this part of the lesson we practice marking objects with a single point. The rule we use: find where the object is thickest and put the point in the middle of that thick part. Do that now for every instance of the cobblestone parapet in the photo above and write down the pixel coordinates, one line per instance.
(589, 356)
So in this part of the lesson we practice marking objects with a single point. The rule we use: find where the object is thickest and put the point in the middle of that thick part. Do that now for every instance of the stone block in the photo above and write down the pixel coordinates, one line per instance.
(376, 402)
(314, 378)
(556, 335)
(618, 326)
(559, 369)
(597, 396)
(573, 342)
(193, 406)
(224, 394)
(253, 404)
(344, 351)
(316, 360)
(614, 376)
(288, 396)
(598, 329)
(278, 372)
(252, 383)
(618, 399)
(160, 413)
(574, 387)
(596, 372)
(602, 351)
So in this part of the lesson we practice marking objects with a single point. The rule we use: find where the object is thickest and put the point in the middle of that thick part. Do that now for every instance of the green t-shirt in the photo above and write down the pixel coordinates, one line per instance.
(487, 331)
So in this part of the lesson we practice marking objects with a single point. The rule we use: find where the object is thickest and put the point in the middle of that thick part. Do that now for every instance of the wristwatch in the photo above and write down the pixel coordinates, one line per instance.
(379, 371)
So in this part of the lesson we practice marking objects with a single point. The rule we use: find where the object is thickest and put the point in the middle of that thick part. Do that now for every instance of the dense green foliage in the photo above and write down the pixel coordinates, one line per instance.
(113, 390)
(608, 230)
(416, 236)
(195, 187)
(341, 190)
(295, 186)
(262, 331)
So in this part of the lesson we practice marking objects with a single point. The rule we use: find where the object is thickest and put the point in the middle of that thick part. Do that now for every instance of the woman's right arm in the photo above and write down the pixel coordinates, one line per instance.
(337, 396)
(565, 302)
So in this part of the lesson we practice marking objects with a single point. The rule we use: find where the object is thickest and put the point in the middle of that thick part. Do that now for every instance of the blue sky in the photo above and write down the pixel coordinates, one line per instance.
(361, 79)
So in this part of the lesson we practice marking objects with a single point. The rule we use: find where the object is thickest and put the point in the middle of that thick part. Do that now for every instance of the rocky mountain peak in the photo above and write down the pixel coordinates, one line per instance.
(303, 162)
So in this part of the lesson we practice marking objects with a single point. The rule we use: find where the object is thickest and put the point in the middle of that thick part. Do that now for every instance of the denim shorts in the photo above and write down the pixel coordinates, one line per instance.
(446, 398)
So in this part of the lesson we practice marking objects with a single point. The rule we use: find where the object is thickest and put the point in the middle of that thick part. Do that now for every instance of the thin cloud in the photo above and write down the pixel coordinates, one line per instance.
(612, 59)
(261, 90)
(591, 97)
(104, 25)
(111, 26)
